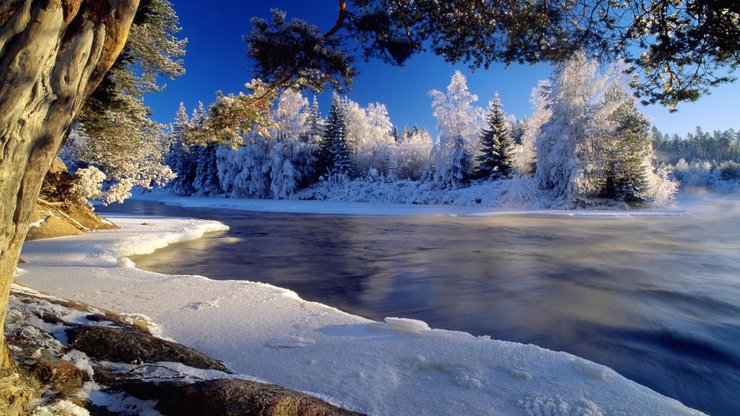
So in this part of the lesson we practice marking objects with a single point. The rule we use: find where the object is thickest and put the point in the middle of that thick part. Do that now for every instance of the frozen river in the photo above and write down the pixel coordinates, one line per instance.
(655, 298)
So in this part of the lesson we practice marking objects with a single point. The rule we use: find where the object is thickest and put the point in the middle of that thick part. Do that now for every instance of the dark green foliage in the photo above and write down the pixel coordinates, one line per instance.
(630, 157)
(678, 48)
(496, 146)
(295, 52)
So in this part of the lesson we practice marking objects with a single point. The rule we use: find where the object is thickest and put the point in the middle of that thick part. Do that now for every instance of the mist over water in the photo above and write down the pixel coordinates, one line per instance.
(655, 298)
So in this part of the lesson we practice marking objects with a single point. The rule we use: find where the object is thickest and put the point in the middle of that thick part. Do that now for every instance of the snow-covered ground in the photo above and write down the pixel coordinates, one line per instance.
(396, 367)
(343, 207)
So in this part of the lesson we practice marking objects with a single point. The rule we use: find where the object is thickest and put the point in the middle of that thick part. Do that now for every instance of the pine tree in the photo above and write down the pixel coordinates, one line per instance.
(496, 146)
(315, 133)
(181, 158)
(335, 156)
(627, 177)
(206, 180)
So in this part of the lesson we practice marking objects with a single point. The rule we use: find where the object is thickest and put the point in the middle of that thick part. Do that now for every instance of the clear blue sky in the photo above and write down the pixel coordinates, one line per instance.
(216, 60)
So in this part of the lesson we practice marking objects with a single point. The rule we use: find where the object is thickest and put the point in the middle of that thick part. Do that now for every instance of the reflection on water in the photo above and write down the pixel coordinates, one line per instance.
(657, 299)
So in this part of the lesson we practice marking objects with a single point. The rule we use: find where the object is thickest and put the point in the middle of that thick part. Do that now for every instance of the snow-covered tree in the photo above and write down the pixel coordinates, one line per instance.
(181, 157)
(290, 115)
(495, 158)
(375, 145)
(457, 172)
(627, 154)
(206, 182)
(455, 113)
(526, 156)
(335, 155)
(290, 156)
(315, 129)
(412, 155)
(566, 139)
(458, 123)
(136, 161)
(596, 143)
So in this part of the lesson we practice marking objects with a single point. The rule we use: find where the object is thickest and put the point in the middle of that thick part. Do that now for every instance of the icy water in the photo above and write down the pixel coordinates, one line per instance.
(657, 299)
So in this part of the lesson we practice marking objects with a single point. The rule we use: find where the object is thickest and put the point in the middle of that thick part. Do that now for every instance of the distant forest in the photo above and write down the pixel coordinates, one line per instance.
(718, 146)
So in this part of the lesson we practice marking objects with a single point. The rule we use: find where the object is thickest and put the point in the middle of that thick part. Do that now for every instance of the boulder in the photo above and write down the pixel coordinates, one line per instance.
(132, 345)
(231, 397)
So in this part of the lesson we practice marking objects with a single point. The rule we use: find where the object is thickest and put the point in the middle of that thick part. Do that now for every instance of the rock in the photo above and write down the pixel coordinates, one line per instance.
(47, 369)
(129, 345)
(51, 227)
(225, 397)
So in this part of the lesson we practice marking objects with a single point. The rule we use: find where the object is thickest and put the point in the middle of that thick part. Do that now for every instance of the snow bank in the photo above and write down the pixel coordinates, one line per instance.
(343, 207)
(396, 367)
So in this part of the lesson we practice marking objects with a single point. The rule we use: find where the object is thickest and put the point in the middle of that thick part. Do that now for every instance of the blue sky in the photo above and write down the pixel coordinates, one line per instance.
(216, 60)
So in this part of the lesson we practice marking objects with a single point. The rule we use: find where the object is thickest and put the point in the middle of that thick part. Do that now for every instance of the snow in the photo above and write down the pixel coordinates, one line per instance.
(376, 208)
(396, 367)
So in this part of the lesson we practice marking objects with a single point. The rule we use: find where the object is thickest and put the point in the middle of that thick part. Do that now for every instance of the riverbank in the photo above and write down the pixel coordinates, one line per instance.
(394, 367)
(341, 207)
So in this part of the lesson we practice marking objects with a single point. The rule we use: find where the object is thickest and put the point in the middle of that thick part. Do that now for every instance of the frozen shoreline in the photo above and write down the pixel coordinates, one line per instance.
(394, 367)
(384, 209)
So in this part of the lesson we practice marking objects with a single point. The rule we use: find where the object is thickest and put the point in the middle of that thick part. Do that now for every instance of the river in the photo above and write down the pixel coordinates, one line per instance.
(655, 298)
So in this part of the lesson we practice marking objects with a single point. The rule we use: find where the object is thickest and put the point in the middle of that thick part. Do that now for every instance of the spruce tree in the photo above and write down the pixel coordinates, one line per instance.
(335, 156)
(496, 146)
(181, 158)
(206, 181)
(315, 128)
(630, 165)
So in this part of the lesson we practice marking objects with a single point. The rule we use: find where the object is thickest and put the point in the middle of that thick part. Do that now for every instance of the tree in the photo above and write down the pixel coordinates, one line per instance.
(526, 155)
(676, 49)
(181, 157)
(412, 155)
(52, 56)
(495, 159)
(290, 115)
(335, 155)
(116, 108)
(631, 162)
(564, 142)
(315, 123)
(458, 123)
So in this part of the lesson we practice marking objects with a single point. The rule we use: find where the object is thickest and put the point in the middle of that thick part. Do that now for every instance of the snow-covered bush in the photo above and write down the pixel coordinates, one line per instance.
(721, 177)
(412, 155)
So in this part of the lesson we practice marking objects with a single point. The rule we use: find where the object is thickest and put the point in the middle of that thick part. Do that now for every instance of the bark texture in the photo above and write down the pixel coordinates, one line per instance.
(53, 54)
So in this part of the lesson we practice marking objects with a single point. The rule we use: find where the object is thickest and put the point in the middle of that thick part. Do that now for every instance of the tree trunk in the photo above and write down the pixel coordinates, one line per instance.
(53, 54)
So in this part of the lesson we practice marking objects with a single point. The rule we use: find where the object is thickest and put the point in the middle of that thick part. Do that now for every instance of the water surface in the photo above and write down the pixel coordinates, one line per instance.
(657, 299)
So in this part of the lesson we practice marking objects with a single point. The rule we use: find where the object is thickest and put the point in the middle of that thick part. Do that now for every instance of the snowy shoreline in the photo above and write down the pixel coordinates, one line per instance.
(296, 206)
(395, 367)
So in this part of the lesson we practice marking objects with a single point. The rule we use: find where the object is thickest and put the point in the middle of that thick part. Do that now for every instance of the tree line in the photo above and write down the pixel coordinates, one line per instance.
(586, 139)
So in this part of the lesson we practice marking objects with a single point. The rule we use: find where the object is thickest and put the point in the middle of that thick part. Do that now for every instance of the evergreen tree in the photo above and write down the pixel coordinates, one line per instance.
(495, 159)
(335, 156)
(315, 131)
(206, 180)
(181, 157)
(631, 163)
